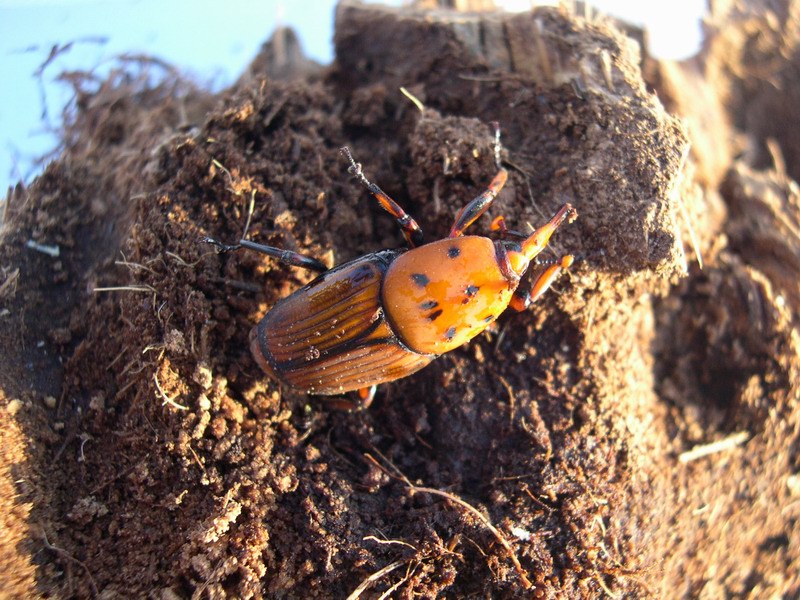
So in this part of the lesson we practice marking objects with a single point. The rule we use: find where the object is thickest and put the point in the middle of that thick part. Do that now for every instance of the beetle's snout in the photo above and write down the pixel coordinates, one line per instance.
(539, 238)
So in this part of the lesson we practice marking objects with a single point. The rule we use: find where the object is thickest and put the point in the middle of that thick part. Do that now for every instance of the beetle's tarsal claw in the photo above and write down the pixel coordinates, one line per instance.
(498, 146)
(354, 168)
(346, 153)
(220, 246)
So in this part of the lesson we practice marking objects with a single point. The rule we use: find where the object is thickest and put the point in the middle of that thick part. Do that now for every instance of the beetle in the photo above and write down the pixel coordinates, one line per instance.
(388, 314)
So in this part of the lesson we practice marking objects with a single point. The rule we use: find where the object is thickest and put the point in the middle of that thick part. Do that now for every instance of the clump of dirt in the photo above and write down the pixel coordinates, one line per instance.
(576, 443)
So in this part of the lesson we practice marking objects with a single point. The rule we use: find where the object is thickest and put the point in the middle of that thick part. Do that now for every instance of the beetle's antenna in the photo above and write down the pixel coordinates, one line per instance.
(576, 258)
(546, 262)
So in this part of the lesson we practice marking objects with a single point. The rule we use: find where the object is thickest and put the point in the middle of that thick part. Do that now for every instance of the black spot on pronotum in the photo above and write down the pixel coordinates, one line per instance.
(429, 304)
(470, 292)
(434, 315)
(420, 279)
(488, 319)
(450, 333)
(453, 251)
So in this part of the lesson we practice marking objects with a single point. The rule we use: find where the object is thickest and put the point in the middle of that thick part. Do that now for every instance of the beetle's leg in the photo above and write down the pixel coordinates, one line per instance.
(287, 257)
(522, 300)
(479, 205)
(411, 231)
(499, 224)
(365, 397)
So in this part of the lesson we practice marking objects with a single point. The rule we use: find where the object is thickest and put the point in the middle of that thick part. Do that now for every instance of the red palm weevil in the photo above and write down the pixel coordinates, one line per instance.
(387, 314)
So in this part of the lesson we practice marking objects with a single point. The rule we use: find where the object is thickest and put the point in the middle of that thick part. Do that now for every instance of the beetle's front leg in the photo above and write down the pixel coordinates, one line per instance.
(481, 203)
(408, 225)
(521, 300)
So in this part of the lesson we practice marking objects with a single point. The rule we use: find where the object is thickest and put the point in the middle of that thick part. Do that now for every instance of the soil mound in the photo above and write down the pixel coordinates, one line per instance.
(635, 434)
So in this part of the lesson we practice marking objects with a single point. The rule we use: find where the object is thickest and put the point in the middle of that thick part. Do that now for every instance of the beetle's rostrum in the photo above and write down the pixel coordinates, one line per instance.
(388, 314)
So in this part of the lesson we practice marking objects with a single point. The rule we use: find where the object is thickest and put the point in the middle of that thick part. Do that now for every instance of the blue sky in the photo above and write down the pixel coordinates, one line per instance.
(201, 38)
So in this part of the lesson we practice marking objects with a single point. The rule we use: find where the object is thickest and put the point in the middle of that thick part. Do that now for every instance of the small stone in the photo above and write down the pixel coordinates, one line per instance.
(202, 376)
(97, 403)
(793, 483)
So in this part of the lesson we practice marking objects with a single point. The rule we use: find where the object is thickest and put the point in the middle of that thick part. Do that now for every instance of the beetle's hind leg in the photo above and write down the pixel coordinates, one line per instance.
(521, 300)
(411, 230)
(365, 397)
(286, 257)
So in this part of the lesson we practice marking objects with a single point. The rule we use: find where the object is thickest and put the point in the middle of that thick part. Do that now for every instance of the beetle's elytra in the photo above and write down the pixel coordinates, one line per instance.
(386, 315)
(332, 335)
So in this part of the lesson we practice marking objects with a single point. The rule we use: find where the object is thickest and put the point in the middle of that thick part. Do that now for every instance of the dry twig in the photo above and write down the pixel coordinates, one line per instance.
(67, 555)
(167, 399)
(722, 445)
(375, 577)
(415, 489)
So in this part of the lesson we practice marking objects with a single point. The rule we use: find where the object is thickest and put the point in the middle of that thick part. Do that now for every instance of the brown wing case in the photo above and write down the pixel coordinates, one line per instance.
(331, 336)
